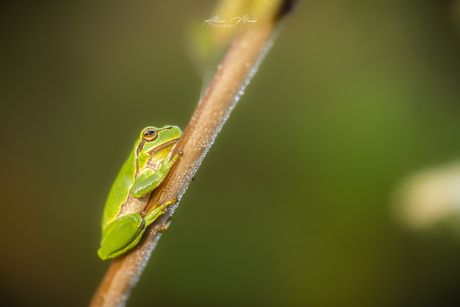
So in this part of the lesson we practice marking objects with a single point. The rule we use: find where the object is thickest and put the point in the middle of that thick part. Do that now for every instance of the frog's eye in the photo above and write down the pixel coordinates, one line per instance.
(149, 135)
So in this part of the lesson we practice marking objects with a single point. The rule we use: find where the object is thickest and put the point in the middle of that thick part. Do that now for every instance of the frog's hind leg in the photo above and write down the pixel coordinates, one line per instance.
(121, 235)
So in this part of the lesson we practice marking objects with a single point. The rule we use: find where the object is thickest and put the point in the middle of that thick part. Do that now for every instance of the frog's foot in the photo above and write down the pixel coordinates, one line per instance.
(165, 226)
(172, 201)
(163, 207)
(160, 210)
(168, 163)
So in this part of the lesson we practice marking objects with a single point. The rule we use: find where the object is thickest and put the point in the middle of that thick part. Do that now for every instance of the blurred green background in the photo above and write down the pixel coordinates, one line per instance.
(358, 93)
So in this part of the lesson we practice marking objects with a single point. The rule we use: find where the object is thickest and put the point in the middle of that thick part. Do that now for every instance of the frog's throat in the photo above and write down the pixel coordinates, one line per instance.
(163, 146)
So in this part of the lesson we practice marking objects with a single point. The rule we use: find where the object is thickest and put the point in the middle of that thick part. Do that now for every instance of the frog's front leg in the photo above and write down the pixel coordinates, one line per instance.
(166, 165)
(148, 179)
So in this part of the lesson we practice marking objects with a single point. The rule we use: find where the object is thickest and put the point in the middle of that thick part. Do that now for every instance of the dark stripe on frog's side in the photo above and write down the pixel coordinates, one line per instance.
(138, 150)
(140, 147)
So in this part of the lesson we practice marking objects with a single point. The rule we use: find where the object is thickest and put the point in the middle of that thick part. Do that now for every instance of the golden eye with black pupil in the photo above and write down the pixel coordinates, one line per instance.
(149, 135)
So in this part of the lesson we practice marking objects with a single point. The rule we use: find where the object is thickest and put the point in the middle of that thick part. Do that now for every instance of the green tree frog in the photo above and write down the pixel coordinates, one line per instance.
(145, 169)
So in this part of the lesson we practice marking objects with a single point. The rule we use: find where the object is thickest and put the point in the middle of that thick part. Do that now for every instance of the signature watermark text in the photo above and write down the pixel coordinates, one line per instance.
(216, 21)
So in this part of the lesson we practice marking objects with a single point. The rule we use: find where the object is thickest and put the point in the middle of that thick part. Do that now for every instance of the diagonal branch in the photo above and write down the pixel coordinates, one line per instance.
(233, 75)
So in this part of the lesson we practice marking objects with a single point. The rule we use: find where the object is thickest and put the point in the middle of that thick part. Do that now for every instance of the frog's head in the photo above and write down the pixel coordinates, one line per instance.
(155, 143)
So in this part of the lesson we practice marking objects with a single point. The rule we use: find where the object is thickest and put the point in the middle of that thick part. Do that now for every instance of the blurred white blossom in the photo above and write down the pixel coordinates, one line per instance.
(430, 197)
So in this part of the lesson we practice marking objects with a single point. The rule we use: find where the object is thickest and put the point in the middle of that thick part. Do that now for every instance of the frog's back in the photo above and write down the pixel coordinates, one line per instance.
(120, 190)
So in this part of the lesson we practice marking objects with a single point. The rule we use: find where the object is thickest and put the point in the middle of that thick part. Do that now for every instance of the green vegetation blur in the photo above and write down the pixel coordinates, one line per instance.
(293, 204)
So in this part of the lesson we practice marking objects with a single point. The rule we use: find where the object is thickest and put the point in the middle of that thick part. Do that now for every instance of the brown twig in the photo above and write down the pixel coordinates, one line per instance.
(233, 75)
